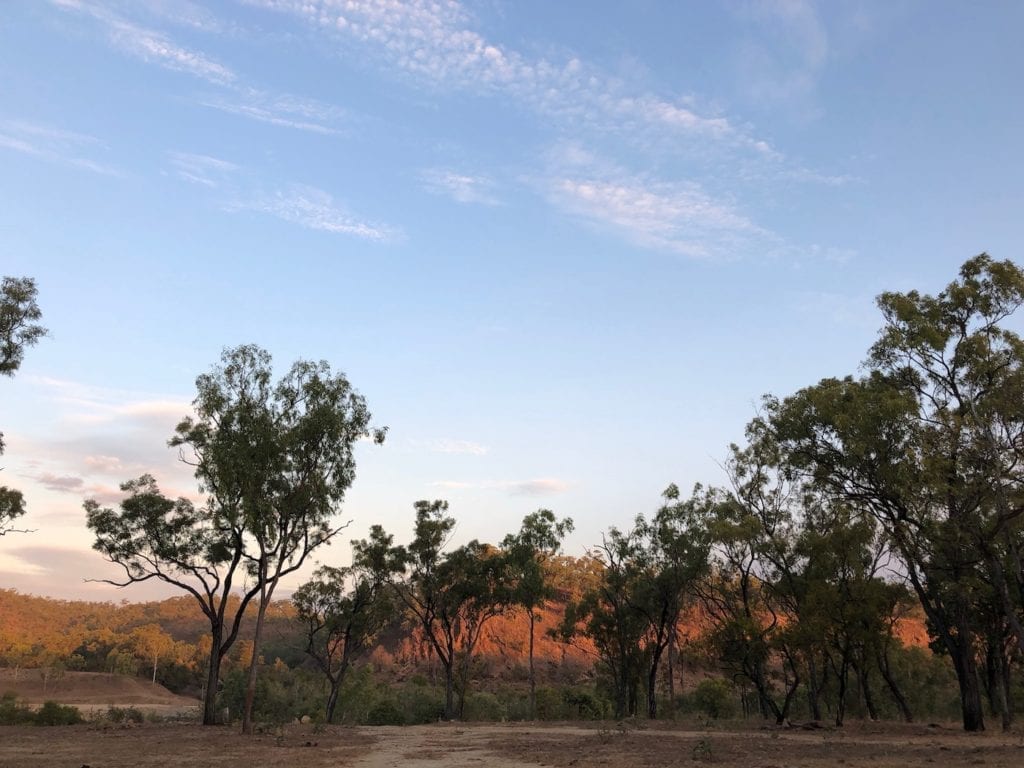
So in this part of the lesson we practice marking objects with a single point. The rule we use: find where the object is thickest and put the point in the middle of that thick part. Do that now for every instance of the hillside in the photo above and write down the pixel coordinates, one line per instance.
(92, 690)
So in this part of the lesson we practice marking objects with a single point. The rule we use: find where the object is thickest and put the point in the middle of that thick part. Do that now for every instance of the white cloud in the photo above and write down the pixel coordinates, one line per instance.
(54, 145)
(461, 187)
(316, 209)
(434, 41)
(152, 46)
(679, 217)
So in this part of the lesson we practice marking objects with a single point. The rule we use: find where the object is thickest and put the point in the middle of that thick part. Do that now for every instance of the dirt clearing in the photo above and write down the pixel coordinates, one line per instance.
(506, 746)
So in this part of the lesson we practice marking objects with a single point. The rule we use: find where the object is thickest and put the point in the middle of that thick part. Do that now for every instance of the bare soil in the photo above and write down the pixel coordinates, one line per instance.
(859, 745)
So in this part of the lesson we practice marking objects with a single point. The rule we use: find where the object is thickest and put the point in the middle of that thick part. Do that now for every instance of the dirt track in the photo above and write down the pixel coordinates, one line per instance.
(505, 746)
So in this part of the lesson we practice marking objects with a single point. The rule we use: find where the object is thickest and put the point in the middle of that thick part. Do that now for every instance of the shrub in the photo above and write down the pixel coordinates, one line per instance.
(52, 713)
(14, 712)
(714, 697)
(585, 704)
(125, 715)
(385, 712)
(422, 704)
(484, 706)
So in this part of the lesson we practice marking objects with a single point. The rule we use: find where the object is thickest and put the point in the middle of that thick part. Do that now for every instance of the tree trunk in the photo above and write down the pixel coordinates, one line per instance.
(966, 667)
(813, 692)
(267, 594)
(533, 677)
(865, 690)
(449, 690)
(156, 659)
(213, 677)
(332, 700)
(894, 689)
(671, 673)
(652, 683)
(843, 675)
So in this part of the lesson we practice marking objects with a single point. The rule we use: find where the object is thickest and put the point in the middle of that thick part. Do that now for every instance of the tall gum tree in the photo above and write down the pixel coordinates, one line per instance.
(930, 443)
(274, 462)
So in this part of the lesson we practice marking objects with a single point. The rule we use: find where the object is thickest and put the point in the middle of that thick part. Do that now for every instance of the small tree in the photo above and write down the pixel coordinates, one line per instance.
(539, 538)
(152, 644)
(197, 550)
(344, 609)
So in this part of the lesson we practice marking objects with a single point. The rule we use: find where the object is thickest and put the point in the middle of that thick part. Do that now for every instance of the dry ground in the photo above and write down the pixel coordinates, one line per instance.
(506, 746)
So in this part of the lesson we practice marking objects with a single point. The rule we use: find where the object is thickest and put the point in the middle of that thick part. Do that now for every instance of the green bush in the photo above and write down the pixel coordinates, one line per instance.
(52, 713)
(714, 697)
(422, 704)
(484, 706)
(385, 712)
(585, 704)
(14, 712)
(125, 715)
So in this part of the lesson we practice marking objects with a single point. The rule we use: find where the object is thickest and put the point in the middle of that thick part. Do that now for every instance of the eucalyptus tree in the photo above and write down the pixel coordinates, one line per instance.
(929, 442)
(527, 551)
(671, 556)
(274, 462)
(607, 615)
(631, 614)
(451, 595)
(19, 329)
(345, 609)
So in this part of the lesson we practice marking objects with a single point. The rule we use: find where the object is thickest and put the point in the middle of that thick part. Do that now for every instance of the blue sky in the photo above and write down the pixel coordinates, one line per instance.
(561, 248)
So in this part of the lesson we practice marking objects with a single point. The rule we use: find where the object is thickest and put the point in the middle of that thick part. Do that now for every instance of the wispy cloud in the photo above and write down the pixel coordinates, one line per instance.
(542, 486)
(151, 45)
(53, 145)
(461, 187)
(201, 169)
(448, 445)
(64, 483)
(283, 110)
(675, 216)
(435, 42)
(157, 47)
(316, 209)
(782, 61)
(545, 486)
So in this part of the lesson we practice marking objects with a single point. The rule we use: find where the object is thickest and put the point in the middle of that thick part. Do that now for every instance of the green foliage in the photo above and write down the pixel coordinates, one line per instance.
(274, 460)
(19, 329)
(344, 609)
(52, 713)
(451, 595)
(484, 706)
(125, 715)
(385, 711)
(14, 712)
(715, 698)
(282, 694)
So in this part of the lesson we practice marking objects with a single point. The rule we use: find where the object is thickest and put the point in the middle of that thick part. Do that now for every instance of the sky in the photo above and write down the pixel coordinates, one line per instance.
(562, 249)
